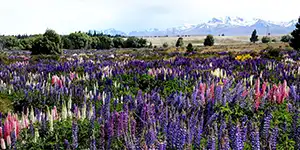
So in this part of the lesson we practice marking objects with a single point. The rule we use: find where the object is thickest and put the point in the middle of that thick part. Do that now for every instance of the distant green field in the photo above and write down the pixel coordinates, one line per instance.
(198, 40)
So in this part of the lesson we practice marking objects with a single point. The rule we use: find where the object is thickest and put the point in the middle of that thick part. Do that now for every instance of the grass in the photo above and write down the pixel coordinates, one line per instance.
(198, 40)
(5, 103)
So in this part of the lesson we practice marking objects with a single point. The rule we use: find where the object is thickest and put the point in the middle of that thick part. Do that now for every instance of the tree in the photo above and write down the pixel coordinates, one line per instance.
(265, 39)
(209, 40)
(179, 42)
(131, 42)
(11, 43)
(104, 42)
(79, 40)
(165, 45)
(66, 42)
(286, 38)
(254, 37)
(295, 41)
(189, 48)
(118, 42)
(49, 43)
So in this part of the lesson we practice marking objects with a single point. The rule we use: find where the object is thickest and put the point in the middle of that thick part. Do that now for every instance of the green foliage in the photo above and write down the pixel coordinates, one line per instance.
(272, 53)
(134, 42)
(165, 45)
(66, 42)
(79, 40)
(286, 38)
(209, 40)
(189, 48)
(11, 43)
(49, 44)
(295, 41)
(118, 42)
(179, 42)
(274, 40)
(26, 44)
(254, 37)
(265, 39)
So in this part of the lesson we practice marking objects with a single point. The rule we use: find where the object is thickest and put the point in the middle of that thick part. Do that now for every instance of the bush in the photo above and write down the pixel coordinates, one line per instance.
(274, 40)
(286, 38)
(79, 40)
(209, 40)
(49, 44)
(189, 48)
(165, 45)
(272, 53)
(179, 42)
(265, 39)
(118, 42)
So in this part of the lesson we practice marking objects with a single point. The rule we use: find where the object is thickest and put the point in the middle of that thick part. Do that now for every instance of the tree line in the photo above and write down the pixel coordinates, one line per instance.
(50, 40)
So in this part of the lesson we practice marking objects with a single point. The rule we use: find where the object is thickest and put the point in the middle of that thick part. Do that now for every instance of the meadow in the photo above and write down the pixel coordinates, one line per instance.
(222, 97)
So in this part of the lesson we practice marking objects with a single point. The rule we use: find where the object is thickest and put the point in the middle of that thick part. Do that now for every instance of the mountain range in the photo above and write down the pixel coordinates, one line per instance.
(231, 26)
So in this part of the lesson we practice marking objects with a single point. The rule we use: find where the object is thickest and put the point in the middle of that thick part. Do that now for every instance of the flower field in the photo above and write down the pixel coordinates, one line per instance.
(93, 101)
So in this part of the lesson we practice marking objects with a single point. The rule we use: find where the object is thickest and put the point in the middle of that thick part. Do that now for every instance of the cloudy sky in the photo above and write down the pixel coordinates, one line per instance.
(65, 16)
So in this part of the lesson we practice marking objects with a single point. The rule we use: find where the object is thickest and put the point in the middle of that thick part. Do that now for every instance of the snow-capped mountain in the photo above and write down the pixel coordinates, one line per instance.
(223, 25)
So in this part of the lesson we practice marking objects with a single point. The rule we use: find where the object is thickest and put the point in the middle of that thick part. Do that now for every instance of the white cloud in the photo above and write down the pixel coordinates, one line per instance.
(64, 16)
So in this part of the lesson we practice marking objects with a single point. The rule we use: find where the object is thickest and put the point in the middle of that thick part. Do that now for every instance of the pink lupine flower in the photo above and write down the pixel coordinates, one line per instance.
(2, 143)
(212, 91)
(245, 93)
(257, 94)
(264, 87)
(1, 132)
(55, 79)
(202, 88)
(72, 75)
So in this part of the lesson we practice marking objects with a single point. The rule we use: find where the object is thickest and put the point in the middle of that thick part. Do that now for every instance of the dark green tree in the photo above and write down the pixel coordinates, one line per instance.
(165, 45)
(189, 48)
(179, 42)
(254, 37)
(209, 40)
(265, 39)
(118, 42)
(286, 38)
(79, 40)
(295, 41)
(11, 43)
(104, 42)
(49, 43)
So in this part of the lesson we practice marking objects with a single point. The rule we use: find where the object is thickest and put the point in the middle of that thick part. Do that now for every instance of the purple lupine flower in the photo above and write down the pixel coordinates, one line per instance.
(266, 126)
(199, 131)
(31, 128)
(232, 131)
(180, 138)
(102, 137)
(13, 140)
(238, 140)
(67, 145)
(273, 138)
(244, 128)
(75, 134)
(211, 143)
(132, 126)
(162, 146)
(254, 137)
(150, 137)
(224, 142)
(221, 132)
(294, 94)
(219, 94)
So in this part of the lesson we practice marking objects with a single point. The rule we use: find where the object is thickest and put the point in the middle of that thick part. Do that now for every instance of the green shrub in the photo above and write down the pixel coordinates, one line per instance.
(179, 42)
(286, 38)
(189, 48)
(165, 45)
(254, 37)
(48, 44)
(274, 40)
(209, 40)
(265, 39)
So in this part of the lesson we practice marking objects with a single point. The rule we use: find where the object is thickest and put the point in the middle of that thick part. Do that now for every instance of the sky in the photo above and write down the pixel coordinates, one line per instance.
(65, 16)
